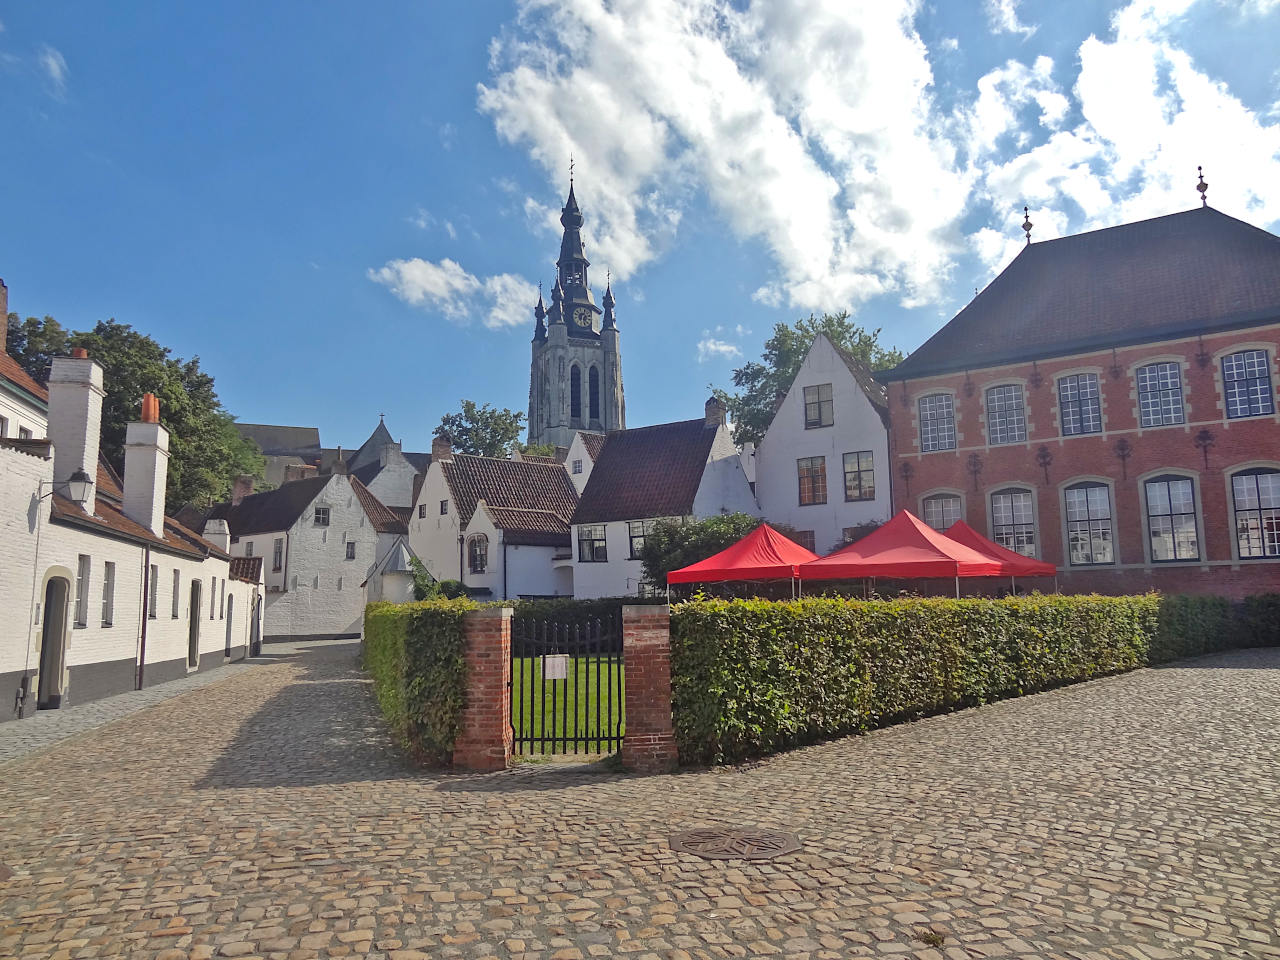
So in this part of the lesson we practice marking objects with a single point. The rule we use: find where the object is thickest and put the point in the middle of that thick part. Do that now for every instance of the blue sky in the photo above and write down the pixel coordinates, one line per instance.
(343, 209)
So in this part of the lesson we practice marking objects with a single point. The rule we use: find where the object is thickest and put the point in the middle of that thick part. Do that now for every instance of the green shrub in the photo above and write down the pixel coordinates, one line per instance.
(415, 654)
(1261, 616)
(1193, 625)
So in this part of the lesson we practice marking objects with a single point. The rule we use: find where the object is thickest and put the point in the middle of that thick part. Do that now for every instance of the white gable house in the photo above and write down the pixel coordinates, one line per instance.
(822, 467)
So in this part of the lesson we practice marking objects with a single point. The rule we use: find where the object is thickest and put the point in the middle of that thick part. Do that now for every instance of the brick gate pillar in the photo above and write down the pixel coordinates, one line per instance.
(484, 743)
(649, 745)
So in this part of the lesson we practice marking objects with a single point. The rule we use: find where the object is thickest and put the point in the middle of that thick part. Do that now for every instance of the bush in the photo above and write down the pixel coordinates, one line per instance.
(754, 677)
(1261, 616)
(415, 654)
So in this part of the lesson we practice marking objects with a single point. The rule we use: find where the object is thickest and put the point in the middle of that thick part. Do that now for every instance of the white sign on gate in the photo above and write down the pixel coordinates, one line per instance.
(555, 666)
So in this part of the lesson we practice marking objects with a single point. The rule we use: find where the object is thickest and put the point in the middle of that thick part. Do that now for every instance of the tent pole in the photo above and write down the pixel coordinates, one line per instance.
(957, 586)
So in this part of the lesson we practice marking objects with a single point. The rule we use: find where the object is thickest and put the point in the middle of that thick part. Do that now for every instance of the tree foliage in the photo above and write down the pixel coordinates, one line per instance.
(762, 383)
(673, 544)
(206, 453)
(482, 430)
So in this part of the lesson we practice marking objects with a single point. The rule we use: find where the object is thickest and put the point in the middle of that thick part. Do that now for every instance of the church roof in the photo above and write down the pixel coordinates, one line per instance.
(647, 472)
(278, 440)
(512, 484)
(1172, 276)
(371, 450)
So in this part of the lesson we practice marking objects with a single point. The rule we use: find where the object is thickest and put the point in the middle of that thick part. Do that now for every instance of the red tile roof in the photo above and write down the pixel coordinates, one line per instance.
(109, 520)
(594, 442)
(248, 569)
(12, 371)
(648, 472)
(508, 483)
(1172, 276)
(536, 528)
(379, 514)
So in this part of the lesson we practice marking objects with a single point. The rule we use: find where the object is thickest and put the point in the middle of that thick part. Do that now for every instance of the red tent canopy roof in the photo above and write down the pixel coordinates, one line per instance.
(763, 554)
(1016, 565)
(904, 547)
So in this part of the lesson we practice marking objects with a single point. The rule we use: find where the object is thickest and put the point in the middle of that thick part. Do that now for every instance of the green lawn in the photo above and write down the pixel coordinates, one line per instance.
(587, 690)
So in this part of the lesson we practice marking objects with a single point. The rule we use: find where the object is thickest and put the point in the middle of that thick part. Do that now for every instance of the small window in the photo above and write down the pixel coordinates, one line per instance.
(941, 510)
(351, 550)
(1080, 405)
(637, 529)
(82, 591)
(1090, 536)
(422, 511)
(222, 600)
(213, 596)
(818, 407)
(108, 593)
(806, 539)
(575, 392)
(277, 554)
(4, 426)
(175, 610)
(24, 433)
(859, 476)
(591, 544)
(1171, 519)
(1160, 395)
(1246, 382)
(577, 466)
(1013, 523)
(444, 507)
(593, 393)
(937, 423)
(477, 553)
(1255, 495)
(153, 591)
(322, 516)
(1006, 415)
(248, 548)
(812, 474)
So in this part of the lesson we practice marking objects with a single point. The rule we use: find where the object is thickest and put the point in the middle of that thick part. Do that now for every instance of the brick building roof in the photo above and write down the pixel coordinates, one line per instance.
(383, 518)
(12, 371)
(535, 528)
(647, 472)
(594, 442)
(248, 569)
(1178, 275)
(506, 485)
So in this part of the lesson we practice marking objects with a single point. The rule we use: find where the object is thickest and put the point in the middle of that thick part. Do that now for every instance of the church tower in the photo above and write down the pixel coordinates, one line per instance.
(575, 379)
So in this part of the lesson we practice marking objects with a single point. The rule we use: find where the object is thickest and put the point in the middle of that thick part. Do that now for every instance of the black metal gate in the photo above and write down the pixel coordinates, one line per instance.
(566, 686)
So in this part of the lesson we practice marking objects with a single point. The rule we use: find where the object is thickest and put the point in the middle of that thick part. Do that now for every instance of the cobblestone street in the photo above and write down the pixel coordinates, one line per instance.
(266, 815)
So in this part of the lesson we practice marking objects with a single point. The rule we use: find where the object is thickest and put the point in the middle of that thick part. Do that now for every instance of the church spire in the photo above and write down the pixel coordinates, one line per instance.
(556, 313)
(540, 314)
(610, 322)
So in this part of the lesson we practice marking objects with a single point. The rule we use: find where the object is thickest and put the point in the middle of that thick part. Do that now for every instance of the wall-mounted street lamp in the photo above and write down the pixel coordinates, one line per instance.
(76, 486)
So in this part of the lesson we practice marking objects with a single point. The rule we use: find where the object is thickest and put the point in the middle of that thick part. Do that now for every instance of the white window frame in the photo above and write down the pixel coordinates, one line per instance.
(944, 433)
(1165, 474)
(1006, 414)
(108, 593)
(1089, 481)
(939, 494)
(1034, 523)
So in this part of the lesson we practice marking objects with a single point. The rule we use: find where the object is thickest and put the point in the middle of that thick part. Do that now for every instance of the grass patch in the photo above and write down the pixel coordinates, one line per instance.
(576, 711)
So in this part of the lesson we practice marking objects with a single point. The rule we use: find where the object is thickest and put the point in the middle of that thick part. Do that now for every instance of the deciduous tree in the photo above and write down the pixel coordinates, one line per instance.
(482, 430)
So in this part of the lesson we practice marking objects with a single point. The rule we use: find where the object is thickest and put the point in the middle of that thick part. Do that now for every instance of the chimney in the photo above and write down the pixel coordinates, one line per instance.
(714, 413)
(388, 450)
(4, 302)
(75, 421)
(146, 467)
(441, 448)
(300, 471)
(243, 487)
(218, 533)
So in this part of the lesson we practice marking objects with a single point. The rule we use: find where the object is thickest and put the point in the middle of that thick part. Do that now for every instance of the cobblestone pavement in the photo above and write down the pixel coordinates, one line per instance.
(1135, 817)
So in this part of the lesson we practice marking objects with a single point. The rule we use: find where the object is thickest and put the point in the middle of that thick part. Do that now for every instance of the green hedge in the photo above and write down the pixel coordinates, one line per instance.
(1261, 614)
(415, 654)
(750, 677)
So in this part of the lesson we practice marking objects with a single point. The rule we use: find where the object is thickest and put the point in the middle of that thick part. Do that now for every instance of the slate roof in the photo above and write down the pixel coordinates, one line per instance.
(271, 510)
(1178, 275)
(535, 528)
(875, 391)
(278, 440)
(384, 520)
(12, 371)
(420, 461)
(371, 450)
(248, 569)
(647, 472)
(518, 484)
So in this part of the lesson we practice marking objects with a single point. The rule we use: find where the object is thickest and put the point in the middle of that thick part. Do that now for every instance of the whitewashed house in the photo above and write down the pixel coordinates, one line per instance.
(101, 592)
(320, 540)
(501, 527)
(581, 458)
(24, 403)
(690, 469)
(822, 467)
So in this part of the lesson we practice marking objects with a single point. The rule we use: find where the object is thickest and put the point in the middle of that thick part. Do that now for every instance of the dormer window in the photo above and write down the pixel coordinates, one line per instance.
(322, 516)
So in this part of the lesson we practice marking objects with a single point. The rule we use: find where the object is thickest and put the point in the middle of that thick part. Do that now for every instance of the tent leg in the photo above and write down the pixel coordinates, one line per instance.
(957, 588)
(1013, 586)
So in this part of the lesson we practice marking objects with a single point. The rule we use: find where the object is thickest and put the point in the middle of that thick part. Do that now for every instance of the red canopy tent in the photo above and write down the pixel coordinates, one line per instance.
(763, 554)
(904, 547)
(1015, 564)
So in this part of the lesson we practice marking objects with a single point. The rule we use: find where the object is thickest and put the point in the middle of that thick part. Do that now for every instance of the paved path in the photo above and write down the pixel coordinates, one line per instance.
(266, 815)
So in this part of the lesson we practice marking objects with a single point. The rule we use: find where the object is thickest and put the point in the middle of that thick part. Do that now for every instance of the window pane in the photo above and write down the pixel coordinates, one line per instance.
(937, 423)
(1089, 532)
(1079, 405)
(942, 511)
(1006, 419)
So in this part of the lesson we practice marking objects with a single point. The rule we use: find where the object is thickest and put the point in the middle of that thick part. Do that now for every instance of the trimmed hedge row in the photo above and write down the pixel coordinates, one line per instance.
(751, 677)
(415, 654)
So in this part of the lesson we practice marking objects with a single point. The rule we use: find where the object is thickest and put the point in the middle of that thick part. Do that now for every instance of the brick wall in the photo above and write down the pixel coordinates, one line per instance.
(650, 744)
(1235, 444)
(485, 741)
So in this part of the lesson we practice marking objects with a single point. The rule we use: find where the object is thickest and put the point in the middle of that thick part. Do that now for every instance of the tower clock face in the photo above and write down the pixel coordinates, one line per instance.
(582, 317)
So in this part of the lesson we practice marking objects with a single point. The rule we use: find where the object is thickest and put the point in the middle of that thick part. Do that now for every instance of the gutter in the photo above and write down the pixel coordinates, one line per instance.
(104, 531)
(146, 615)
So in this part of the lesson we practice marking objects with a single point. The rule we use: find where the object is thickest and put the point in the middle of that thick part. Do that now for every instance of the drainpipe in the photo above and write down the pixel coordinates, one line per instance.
(146, 615)
(461, 578)
(504, 566)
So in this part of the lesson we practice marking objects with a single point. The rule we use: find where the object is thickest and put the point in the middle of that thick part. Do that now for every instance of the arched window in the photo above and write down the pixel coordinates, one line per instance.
(478, 553)
(1171, 519)
(937, 423)
(1255, 495)
(941, 510)
(1013, 520)
(575, 392)
(593, 392)
(1090, 535)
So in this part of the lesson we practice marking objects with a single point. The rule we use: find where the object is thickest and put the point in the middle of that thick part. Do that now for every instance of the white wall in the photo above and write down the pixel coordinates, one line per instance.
(578, 451)
(21, 414)
(856, 426)
(434, 538)
(394, 483)
(724, 487)
(619, 577)
(20, 519)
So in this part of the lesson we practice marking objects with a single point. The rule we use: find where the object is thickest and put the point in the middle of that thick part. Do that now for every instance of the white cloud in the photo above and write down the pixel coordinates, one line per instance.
(709, 348)
(448, 134)
(421, 219)
(499, 301)
(1002, 17)
(55, 70)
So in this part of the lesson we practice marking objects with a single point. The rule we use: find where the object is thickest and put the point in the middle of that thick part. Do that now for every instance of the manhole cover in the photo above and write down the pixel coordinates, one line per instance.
(735, 843)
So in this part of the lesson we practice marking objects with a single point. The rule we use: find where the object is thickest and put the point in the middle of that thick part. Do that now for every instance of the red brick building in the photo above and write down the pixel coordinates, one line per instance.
(1108, 404)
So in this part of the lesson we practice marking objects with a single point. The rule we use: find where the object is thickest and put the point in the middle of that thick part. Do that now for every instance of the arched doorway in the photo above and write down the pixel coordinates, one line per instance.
(53, 644)
(193, 630)
(231, 606)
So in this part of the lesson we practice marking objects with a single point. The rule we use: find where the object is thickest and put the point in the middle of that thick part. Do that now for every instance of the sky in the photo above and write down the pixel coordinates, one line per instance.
(345, 209)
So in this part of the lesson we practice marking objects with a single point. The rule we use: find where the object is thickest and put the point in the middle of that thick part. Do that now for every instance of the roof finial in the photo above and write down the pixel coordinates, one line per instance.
(1026, 222)
(571, 171)
(1203, 187)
